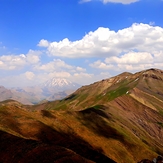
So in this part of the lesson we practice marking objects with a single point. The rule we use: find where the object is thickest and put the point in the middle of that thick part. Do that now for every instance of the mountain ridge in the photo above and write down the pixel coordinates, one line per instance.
(120, 118)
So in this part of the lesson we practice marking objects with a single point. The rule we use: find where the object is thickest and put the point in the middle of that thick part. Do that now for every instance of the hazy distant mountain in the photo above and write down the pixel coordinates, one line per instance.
(58, 88)
(53, 89)
(60, 84)
(22, 97)
(5, 93)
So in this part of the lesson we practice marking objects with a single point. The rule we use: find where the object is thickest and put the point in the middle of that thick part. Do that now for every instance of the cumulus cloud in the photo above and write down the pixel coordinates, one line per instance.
(131, 61)
(106, 43)
(59, 74)
(12, 62)
(101, 65)
(131, 58)
(33, 57)
(80, 77)
(58, 65)
(54, 65)
(43, 43)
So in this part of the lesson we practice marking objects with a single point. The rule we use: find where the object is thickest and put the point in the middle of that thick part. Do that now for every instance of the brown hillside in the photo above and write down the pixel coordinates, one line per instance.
(118, 119)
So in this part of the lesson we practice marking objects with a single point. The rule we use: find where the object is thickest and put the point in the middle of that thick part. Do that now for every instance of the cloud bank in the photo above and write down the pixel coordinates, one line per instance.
(101, 53)
(13, 62)
(104, 43)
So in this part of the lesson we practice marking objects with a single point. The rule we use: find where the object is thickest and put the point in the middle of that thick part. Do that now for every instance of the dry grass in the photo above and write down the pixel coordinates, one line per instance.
(117, 119)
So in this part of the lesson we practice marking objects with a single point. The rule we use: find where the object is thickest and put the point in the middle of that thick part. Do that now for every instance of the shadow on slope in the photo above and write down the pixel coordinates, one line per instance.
(51, 145)
(73, 142)
(94, 119)
(14, 149)
(22, 123)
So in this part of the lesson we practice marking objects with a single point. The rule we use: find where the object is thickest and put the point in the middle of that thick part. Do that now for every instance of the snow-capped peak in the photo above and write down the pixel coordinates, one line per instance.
(58, 82)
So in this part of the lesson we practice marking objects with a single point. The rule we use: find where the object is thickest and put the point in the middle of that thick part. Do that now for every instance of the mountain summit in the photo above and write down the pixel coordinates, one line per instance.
(59, 83)
(58, 88)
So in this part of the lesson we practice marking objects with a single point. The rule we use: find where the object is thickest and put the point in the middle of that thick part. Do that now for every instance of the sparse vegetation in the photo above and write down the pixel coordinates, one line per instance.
(160, 123)
(116, 93)
(103, 122)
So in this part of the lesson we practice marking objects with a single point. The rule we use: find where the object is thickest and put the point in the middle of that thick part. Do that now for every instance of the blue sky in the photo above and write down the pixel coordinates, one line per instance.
(81, 40)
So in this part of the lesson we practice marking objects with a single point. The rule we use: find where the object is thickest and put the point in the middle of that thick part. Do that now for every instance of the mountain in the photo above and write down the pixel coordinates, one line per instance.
(58, 88)
(119, 119)
(15, 95)
(128, 105)
(53, 89)
(60, 83)
(5, 93)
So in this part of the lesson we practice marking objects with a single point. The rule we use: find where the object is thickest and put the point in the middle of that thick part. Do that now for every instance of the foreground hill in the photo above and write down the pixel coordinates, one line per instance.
(29, 137)
(118, 119)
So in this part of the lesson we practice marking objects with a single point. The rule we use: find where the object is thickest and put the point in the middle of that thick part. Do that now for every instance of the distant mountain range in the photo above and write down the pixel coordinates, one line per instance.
(53, 89)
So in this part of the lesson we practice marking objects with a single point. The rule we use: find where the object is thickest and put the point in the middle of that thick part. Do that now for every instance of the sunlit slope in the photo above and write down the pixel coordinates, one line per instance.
(118, 119)
(133, 104)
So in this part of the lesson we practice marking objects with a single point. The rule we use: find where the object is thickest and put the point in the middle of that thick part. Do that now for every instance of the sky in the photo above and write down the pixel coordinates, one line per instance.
(83, 41)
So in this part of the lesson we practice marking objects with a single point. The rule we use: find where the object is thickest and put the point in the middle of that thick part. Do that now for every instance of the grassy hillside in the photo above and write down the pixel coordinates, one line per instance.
(118, 119)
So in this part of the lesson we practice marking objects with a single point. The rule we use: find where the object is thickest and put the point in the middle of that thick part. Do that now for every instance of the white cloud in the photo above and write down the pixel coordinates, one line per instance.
(131, 61)
(29, 75)
(61, 74)
(33, 57)
(19, 80)
(43, 43)
(80, 75)
(58, 65)
(106, 43)
(131, 58)
(54, 65)
(158, 57)
(82, 78)
(80, 69)
(120, 1)
(12, 62)
(101, 65)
